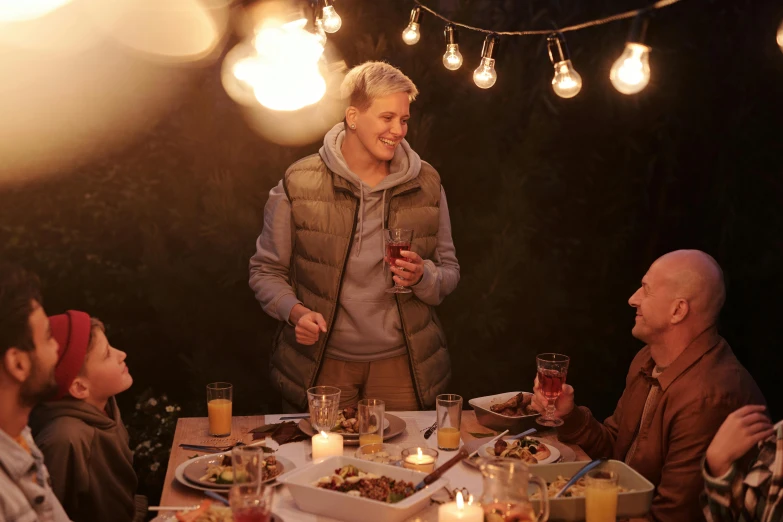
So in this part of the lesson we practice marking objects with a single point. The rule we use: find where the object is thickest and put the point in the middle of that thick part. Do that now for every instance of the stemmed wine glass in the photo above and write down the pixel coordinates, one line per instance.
(552, 371)
(324, 403)
(396, 240)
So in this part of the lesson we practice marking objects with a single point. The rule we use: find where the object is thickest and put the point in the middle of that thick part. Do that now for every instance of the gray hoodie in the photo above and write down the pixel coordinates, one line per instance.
(91, 465)
(367, 323)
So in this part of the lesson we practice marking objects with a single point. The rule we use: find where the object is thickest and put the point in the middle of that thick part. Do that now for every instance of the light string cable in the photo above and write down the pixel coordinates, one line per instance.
(660, 4)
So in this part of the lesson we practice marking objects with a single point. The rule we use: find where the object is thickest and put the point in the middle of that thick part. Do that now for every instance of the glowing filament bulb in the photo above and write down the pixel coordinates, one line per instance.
(485, 76)
(780, 36)
(631, 72)
(331, 20)
(452, 59)
(411, 34)
(567, 82)
(319, 31)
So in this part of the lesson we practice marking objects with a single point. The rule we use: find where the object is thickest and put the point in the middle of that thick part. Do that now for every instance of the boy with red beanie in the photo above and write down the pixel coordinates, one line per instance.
(81, 433)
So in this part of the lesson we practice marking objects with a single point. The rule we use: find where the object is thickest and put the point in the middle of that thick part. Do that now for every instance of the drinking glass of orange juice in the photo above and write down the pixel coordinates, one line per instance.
(219, 400)
(448, 411)
(371, 413)
(601, 496)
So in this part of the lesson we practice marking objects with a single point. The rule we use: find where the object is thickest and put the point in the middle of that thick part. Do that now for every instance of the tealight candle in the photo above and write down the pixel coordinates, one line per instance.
(459, 511)
(327, 445)
(420, 459)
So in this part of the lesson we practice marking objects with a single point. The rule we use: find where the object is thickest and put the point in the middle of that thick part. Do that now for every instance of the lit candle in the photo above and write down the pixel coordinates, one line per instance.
(420, 461)
(460, 511)
(327, 445)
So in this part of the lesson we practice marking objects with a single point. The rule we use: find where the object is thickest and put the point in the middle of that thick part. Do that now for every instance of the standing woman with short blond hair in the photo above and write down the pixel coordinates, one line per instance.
(318, 265)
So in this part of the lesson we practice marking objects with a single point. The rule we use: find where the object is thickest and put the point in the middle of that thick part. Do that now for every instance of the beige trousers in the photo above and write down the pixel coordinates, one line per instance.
(387, 379)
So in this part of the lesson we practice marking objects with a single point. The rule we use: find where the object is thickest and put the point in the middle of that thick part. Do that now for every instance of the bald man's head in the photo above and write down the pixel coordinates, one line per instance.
(684, 287)
(695, 276)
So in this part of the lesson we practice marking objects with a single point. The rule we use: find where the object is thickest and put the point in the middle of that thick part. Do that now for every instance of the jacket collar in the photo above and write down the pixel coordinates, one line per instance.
(342, 184)
(703, 343)
(15, 460)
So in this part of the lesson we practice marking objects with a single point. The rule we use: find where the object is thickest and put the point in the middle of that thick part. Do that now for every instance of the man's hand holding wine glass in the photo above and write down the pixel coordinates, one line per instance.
(563, 405)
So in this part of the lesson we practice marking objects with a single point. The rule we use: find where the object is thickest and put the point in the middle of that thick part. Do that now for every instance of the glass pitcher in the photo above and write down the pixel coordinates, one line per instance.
(505, 495)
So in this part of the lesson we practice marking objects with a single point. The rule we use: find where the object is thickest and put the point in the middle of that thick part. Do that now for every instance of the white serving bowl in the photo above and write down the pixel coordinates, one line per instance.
(496, 421)
(335, 504)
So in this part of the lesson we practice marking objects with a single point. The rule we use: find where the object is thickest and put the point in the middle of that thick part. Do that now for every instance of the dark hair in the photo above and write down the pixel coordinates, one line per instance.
(18, 289)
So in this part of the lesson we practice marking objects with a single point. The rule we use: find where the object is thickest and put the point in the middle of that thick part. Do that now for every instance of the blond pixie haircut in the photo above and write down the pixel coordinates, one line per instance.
(371, 80)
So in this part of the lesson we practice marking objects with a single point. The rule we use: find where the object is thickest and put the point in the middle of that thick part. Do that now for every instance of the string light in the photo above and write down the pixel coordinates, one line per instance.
(452, 59)
(567, 82)
(280, 68)
(780, 36)
(331, 20)
(411, 34)
(318, 26)
(485, 76)
(631, 72)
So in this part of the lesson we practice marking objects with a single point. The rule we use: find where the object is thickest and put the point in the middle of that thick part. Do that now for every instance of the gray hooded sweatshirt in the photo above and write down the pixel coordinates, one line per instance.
(87, 454)
(367, 323)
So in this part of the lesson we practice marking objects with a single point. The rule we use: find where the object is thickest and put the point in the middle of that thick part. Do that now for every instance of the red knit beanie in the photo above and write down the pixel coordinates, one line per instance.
(72, 332)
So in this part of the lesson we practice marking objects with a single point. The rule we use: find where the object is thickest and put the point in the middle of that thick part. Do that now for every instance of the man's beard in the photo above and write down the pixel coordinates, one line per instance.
(38, 388)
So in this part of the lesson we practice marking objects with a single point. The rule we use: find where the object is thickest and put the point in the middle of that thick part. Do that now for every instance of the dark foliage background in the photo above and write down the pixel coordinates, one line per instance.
(558, 206)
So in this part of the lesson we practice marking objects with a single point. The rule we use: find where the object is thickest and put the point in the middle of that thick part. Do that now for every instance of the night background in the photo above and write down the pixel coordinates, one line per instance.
(558, 206)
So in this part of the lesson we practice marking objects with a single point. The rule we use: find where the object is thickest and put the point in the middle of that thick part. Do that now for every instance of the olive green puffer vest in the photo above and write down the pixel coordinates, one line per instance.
(324, 214)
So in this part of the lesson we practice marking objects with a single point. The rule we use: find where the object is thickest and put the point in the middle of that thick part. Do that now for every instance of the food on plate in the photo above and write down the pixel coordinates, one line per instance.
(223, 473)
(353, 481)
(381, 457)
(527, 450)
(577, 490)
(206, 512)
(348, 422)
(517, 406)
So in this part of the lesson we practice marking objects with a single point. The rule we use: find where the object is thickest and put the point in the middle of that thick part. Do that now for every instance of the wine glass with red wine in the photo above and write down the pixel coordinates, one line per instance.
(552, 371)
(396, 240)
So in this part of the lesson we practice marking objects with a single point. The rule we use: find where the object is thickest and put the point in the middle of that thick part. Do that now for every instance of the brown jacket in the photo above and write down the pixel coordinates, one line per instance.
(324, 210)
(698, 390)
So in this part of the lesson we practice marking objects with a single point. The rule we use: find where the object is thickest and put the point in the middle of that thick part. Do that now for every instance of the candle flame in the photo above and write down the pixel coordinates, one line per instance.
(470, 500)
(419, 453)
(324, 435)
(460, 502)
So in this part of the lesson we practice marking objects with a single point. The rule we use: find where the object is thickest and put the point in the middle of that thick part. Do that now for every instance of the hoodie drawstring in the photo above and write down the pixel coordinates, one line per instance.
(361, 220)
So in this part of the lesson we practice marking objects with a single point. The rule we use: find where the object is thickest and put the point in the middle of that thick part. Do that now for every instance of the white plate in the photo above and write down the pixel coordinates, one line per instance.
(342, 506)
(179, 474)
(554, 452)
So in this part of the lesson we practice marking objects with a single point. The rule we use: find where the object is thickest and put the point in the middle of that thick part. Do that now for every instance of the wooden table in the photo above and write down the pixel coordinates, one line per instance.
(193, 430)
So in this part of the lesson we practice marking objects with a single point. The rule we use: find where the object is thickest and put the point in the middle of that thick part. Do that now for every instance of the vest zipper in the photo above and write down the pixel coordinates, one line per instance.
(410, 354)
(337, 298)
(419, 400)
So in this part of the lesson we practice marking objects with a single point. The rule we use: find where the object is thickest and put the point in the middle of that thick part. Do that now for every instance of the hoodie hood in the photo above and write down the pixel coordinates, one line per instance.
(405, 166)
(46, 412)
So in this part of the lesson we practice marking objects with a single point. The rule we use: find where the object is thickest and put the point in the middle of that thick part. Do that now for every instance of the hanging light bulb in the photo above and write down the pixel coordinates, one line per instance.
(452, 60)
(780, 36)
(411, 34)
(318, 25)
(331, 20)
(631, 72)
(567, 82)
(485, 76)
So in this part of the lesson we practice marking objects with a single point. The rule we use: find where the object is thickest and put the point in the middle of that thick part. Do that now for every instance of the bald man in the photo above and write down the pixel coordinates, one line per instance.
(681, 386)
